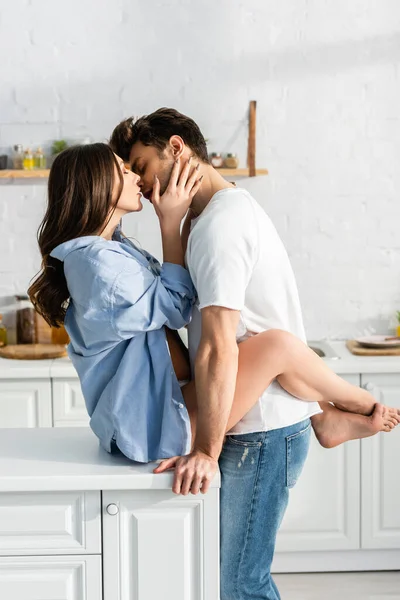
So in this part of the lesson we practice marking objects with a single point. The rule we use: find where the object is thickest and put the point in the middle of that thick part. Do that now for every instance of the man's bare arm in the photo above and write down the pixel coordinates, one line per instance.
(215, 375)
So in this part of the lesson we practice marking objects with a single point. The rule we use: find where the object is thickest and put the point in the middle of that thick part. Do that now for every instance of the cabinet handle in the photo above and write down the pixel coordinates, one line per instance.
(112, 509)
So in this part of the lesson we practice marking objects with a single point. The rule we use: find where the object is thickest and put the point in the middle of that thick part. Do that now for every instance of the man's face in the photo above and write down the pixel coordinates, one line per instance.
(148, 161)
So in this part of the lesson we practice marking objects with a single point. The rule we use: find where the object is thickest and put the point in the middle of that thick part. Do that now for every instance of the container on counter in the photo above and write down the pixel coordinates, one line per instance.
(3, 333)
(231, 161)
(25, 321)
(216, 160)
(18, 157)
(39, 159)
(28, 160)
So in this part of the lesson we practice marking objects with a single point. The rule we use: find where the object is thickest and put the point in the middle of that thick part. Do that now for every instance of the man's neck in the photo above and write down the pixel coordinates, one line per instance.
(212, 183)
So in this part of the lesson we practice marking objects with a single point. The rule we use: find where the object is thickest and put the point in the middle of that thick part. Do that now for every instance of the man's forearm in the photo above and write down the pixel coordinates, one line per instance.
(215, 375)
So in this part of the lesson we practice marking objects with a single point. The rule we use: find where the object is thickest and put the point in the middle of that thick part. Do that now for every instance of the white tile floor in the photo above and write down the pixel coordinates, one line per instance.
(340, 586)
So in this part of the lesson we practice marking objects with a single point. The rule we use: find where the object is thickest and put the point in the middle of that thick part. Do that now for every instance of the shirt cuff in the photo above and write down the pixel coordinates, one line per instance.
(177, 278)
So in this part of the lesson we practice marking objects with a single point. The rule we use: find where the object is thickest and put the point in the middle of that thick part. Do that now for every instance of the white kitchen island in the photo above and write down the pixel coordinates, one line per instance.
(79, 524)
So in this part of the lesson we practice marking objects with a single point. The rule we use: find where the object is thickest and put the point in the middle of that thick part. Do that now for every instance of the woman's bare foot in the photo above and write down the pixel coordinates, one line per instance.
(334, 426)
(362, 404)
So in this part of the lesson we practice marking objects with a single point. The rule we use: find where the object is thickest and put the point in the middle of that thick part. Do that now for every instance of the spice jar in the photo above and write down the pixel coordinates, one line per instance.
(39, 159)
(25, 321)
(18, 156)
(216, 160)
(28, 160)
(231, 161)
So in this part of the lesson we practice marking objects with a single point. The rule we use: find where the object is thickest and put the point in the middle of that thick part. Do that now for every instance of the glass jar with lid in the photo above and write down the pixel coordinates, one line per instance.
(216, 160)
(25, 320)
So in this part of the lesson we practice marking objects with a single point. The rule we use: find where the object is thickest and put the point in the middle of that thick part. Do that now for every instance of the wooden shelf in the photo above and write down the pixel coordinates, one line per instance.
(16, 174)
(44, 173)
(240, 172)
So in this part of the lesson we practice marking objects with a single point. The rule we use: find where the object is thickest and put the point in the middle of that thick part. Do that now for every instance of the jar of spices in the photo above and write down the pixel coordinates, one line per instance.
(28, 160)
(18, 156)
(216, 160)
(25, 321)
(231, 161)
(40, 159)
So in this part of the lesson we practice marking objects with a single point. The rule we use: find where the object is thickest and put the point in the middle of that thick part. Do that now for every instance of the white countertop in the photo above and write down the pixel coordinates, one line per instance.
(60, 368)
(348, 363)
(70, 458)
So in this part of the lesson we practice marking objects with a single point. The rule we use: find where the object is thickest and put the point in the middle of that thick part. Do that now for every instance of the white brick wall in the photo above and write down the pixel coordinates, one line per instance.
(326, 77)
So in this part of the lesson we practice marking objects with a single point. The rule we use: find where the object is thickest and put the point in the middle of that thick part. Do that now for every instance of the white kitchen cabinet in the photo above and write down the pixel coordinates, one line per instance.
(380, 457)
(324, 506)
(50, 578)
(69, 407)
(25, 403)
(159, 545)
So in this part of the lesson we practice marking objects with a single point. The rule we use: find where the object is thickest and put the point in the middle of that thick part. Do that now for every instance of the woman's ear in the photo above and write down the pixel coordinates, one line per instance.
(177, 146)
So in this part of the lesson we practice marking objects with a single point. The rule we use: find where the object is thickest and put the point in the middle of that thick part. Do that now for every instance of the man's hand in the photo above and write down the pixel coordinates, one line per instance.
(193, 472)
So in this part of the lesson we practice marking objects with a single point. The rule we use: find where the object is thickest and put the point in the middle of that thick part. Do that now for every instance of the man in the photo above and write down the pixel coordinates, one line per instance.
(245, 284)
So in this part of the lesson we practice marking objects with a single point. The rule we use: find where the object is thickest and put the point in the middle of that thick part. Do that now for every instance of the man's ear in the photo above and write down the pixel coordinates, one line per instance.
(177, 145)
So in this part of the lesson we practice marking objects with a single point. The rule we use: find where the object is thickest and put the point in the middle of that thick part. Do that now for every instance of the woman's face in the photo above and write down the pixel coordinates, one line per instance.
(130, 198)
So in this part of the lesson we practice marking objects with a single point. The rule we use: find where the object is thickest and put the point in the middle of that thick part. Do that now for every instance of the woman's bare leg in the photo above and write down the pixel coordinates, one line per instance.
(278, 354)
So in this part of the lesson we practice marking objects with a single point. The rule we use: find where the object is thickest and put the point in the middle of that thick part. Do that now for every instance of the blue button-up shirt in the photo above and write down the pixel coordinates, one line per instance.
(120, 300)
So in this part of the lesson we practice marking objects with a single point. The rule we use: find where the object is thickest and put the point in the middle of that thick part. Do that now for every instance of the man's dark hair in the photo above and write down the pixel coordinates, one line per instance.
(156, 130)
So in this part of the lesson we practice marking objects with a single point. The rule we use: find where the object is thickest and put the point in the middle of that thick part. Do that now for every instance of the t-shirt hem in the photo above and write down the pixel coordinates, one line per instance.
(282, 426)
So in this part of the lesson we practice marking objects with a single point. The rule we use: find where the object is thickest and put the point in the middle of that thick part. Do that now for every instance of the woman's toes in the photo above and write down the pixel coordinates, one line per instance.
(394, 413)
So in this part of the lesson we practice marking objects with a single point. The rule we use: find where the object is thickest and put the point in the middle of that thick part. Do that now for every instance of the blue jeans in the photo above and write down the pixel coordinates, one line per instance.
(257, 471)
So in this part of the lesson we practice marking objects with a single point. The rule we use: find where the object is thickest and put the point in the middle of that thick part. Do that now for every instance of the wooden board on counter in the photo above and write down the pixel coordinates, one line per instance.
(24, 174)
(33, 351)
(358, 350)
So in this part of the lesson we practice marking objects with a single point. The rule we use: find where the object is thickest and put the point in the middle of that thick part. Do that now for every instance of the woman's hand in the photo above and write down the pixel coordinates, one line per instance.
(172, 206)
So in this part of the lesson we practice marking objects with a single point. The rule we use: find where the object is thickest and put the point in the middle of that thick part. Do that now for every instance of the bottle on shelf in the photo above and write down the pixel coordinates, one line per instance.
(39, 159)
(216, 160)
(18, 156)
(28, 160)
(231, 161)
(3, 333)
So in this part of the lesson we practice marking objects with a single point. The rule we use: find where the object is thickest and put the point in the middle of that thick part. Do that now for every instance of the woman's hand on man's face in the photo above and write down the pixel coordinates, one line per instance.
(173, 205)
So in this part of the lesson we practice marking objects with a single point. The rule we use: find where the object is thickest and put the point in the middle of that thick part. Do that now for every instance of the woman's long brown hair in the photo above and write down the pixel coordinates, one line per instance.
(80, 202)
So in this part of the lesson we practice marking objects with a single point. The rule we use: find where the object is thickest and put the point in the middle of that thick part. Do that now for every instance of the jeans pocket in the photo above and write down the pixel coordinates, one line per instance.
(297, 446)
(247, 440)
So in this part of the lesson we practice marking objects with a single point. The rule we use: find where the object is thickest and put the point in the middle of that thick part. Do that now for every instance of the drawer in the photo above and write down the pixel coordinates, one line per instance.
(50, 523)
(47, 577)
(69, 409)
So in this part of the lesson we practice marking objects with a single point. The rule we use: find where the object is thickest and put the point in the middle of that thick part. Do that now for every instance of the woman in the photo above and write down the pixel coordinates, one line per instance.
(117, 304)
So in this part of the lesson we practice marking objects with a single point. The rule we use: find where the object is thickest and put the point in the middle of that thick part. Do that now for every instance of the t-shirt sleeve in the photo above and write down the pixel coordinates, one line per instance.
(222, 254)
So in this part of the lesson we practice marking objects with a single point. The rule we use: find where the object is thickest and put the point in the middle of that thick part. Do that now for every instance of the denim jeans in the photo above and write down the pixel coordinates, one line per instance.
(257, 471)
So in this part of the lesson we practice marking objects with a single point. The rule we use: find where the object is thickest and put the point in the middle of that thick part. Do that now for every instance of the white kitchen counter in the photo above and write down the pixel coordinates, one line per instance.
(70, 458)
(60, 368)
(348, 363)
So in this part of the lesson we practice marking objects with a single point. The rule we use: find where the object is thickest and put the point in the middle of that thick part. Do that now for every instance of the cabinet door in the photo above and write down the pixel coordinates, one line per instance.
(324, 506)
(380, 523)
(69, 407)
(25, 403)
(47, 578)
(159, 545)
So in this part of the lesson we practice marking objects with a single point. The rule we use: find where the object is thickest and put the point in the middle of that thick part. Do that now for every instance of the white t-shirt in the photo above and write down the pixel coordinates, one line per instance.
(237, 260)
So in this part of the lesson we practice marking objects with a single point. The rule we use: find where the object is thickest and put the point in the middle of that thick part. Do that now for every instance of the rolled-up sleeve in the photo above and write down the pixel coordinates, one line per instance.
(142, 301)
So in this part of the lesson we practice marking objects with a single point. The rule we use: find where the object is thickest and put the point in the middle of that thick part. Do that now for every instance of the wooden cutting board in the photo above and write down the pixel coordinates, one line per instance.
(33, 351)
(355, 348)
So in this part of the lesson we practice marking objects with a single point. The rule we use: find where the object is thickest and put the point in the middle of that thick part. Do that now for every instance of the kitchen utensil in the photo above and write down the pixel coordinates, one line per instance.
(377, 341)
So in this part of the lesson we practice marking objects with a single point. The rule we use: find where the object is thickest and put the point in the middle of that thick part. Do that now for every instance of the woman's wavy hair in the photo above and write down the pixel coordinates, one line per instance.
(80, 202)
